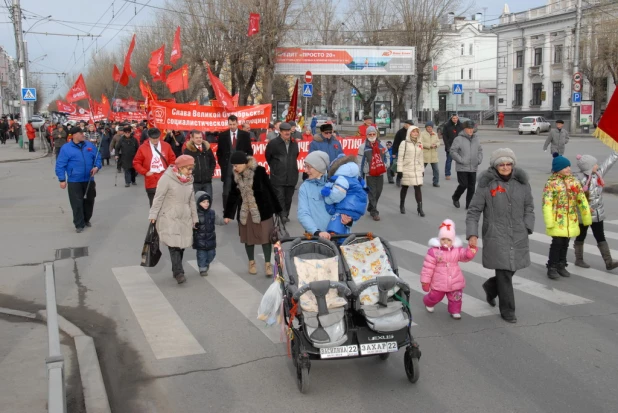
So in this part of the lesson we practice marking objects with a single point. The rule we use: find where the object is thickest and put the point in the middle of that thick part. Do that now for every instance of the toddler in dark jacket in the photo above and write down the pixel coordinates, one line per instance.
(204, 235)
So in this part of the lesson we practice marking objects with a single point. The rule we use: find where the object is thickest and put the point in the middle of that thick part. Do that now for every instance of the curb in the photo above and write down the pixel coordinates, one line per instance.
(45, 155)
(95, 395)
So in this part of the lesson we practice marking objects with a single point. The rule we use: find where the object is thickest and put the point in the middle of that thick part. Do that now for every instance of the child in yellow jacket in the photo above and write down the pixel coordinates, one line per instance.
(563, 198)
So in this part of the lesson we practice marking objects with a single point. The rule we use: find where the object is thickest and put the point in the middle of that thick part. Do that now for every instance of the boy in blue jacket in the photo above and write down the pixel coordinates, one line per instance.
(76, 165)
(204, 235)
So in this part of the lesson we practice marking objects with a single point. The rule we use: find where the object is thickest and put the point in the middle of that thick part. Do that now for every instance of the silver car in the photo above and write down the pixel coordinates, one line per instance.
(37, 121)
(534, 124)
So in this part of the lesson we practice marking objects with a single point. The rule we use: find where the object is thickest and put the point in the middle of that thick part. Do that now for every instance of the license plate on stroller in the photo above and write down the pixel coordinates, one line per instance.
(341, 351)
(378, 348)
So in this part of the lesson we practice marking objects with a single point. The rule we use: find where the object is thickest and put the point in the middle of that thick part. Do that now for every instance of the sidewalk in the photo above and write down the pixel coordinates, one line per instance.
(11, 152)
(493, 128)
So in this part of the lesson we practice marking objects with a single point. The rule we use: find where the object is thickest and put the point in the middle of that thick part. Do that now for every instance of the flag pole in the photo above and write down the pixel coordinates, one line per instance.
(96, 155)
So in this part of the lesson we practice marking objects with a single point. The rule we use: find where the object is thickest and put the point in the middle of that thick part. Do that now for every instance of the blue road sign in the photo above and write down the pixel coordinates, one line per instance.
(353, 92)
(577, 97)
(457, 89)
(28, 94)
(307, 90)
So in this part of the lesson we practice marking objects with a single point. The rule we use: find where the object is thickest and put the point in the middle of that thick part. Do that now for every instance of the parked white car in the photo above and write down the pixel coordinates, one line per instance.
(534, 124)
(37, 121)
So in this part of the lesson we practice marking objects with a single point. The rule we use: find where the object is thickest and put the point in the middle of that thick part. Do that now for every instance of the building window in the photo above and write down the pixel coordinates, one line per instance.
(519, 59)
(469, 73)
(519, 94)
(462, 73)
(558, 54)
(470, 98)
(538, 56)
(536, 94)
(471, 49)
(463, 49)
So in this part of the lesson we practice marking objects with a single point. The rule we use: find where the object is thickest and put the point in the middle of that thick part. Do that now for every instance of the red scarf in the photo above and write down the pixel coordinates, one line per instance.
(376, 166)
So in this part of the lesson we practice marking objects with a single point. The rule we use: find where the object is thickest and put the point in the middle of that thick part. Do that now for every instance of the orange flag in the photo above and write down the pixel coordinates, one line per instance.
(176, 50)
(178, 80)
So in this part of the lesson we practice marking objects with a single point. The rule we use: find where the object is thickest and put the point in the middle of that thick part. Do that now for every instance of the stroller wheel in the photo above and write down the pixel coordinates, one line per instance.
(412, 367)
(294, 351)
(302, 376)
(384, 356)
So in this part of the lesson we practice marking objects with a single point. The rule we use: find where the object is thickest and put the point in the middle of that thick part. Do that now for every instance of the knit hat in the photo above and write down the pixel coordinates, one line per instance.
(238, 158)
(468, 124)
(447, 230)
(184, 160)
(318, 160)
(428, 123)
(502, 155)
(586, 163)
(559, 162)
(154, 133)
(371, 129)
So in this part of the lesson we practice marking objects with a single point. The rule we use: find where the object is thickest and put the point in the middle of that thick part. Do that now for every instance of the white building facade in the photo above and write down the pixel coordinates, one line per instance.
(467, 58)
(9, 83)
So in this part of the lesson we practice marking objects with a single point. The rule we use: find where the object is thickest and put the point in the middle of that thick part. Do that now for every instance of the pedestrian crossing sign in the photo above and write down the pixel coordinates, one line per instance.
(308, 90)
(457, 89)
(28, 94)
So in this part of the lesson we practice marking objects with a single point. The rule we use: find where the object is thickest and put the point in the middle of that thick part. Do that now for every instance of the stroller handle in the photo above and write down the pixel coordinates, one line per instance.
(340, 287)
(387, 282)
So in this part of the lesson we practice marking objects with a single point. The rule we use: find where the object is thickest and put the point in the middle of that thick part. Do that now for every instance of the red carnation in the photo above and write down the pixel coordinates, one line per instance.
(90, 149)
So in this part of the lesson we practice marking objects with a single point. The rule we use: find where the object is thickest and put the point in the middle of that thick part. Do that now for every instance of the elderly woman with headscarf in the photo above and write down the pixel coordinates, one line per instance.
(504, 198)
(253, 202)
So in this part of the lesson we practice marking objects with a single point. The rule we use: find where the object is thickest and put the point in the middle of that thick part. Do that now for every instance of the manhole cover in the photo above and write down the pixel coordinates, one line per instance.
(77, 252)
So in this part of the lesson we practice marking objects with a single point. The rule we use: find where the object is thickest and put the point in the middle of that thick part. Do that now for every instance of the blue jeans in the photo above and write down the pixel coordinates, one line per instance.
(204, 258)
(436, 172)
(447, 165)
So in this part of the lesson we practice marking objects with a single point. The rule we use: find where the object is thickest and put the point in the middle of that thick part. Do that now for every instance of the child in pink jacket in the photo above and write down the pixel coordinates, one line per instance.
(441, 274)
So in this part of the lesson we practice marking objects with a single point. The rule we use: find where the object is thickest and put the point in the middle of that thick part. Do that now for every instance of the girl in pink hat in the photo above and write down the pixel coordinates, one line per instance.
(441, 274)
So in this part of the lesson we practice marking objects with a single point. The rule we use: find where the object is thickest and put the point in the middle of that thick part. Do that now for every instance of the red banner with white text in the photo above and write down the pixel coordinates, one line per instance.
(182, 116)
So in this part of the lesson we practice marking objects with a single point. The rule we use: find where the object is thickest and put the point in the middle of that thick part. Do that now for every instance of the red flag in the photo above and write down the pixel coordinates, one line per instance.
(221, 93)
(127, 59)
(254, 24)
(235, 99)
(293, 105)
(178, 80)
(146, 90)
(116, 74)
(78, 91)
(176, 50)
(156, 61)
(607, 129)
(65, 107)
(106, 107)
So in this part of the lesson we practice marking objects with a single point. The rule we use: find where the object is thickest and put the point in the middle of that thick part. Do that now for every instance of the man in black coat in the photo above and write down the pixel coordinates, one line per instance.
(282, 155)
(229, 141)
(205, 162)
(127, 147)
(400, 136)
(450, 131)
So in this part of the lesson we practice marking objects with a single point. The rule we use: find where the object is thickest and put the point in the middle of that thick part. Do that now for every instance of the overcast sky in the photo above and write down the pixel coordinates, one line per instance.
(108, 18)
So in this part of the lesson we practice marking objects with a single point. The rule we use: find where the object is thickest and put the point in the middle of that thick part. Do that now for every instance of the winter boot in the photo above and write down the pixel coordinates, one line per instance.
(579, 254)
(269, 269)
(419, 209)
(562, 269)
(252, 267)
(552, 272)
(607, 256)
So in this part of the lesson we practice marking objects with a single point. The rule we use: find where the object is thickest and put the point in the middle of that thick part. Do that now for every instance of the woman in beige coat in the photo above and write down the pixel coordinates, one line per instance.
(431, 141)
(174, 211)
(411, 167)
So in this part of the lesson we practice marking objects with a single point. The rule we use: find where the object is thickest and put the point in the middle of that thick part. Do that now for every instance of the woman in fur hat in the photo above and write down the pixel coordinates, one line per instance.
(504, 198)
(591, 177)
(253, 202)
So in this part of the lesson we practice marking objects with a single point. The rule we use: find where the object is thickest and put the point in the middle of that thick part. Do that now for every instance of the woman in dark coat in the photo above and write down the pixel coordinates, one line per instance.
(106, 139)
(504, 197)
(253, 202)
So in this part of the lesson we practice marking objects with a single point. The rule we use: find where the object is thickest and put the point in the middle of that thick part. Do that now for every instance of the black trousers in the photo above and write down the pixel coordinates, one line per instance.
(284, 195)
(597, 231)
(176, 255)
(227, 185)
(558, 250)
(151, 193)
(375, 184)
(82, 208)
(30, 145)
(501, 286)
(118, 164)
(467, 181)
(129, 175)
(204, 186)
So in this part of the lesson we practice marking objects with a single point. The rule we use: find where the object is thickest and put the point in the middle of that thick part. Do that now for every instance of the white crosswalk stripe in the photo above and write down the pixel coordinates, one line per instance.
(612, 222)
(522, 284)
(470, 305)
(240, 294)
(591, 249)
(166, 333)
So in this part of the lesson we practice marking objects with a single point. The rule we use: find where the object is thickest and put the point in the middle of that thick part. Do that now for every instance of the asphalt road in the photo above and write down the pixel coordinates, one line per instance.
(197, 347)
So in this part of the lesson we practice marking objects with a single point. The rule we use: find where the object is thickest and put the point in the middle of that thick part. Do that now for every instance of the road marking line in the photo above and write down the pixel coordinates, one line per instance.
(610, 235)
(522, 284)
(165, 331)
(613, 222)
(546, 239)
(240, 294)
(470, 305)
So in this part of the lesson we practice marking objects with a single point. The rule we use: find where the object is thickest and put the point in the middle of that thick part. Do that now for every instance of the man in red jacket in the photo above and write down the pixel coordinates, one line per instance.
(152, 159)
(31, 132)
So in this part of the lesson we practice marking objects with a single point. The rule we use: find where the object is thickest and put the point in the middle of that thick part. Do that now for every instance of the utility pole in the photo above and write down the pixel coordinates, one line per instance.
(21, 63)
(578, 25)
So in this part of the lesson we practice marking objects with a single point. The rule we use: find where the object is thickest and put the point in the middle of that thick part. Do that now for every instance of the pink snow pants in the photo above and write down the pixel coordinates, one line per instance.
(454, 300)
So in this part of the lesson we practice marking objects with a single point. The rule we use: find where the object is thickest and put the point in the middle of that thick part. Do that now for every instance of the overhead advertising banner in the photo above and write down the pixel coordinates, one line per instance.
(341, 60)
(586, 113)
(182, 116)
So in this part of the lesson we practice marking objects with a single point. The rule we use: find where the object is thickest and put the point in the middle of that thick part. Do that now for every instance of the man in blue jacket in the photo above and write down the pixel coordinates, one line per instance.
(76, 165)
(325, 142)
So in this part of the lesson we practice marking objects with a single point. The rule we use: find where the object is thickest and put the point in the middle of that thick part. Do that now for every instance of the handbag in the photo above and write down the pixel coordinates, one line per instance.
(279, 231)
(151, 252)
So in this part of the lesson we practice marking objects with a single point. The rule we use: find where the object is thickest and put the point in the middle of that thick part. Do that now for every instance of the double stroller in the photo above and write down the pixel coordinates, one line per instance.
(344, 302)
